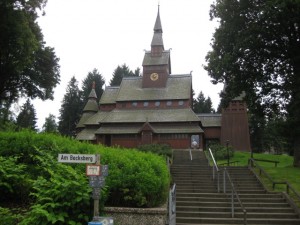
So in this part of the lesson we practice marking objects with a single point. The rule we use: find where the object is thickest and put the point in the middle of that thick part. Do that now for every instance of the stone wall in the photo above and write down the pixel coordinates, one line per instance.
(137, 216)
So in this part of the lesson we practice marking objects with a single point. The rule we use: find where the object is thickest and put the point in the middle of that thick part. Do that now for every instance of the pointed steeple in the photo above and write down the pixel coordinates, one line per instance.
(157, 26)
(91, 105)
(90, 109)
(157, 44)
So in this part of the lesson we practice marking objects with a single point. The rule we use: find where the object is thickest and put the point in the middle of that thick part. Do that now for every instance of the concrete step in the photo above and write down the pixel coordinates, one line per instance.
(237, 221)
(198, 202)
(254, 215)
(237, 209)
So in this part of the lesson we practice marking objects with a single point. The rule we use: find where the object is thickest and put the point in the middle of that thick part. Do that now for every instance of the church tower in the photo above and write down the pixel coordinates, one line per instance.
(156, 63)
(235, 127)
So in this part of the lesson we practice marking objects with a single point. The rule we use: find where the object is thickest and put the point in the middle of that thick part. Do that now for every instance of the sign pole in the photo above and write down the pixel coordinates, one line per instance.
(97, 192)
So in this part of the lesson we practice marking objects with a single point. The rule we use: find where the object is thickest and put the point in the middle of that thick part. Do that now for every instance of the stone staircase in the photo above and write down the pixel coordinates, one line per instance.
(198, 201)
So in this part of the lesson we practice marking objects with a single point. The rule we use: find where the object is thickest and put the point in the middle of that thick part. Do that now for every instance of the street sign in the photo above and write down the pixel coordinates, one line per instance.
(76, 158)
(104, 170)
(92, 170)
(96, 181)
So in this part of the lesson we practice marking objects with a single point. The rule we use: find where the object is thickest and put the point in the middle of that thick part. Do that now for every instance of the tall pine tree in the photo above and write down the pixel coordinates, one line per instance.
(120, 72)
(96, 77)
(203, 105)
(27, 116)
(71, 109)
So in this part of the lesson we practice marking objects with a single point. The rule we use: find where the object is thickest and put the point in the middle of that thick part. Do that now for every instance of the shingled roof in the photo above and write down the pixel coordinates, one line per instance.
(210, 119)
(109, 96)
(178, 87)
(149, 115)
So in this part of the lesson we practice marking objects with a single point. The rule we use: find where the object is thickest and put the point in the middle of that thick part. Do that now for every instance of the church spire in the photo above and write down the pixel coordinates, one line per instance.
(157, 45)
(157, 26)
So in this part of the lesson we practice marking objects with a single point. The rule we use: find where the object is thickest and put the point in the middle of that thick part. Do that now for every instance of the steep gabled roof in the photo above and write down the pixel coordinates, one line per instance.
(109, 95)
(178, 87)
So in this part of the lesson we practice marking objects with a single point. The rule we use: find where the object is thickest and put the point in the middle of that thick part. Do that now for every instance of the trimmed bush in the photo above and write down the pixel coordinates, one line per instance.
(160, 149)
(220, 151)
(59, 193)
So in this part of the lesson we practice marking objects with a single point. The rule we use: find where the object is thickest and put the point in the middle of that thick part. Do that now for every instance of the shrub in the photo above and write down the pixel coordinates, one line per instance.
(7, 217)
(220, 151)
(160, 149)
(59, 193)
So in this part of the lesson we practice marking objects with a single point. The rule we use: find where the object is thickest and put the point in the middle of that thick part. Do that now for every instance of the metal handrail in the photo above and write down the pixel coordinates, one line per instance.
(233, 190)
(261, 170)
(191, 155)
(215, 169)
(233, 193)
(172, 206)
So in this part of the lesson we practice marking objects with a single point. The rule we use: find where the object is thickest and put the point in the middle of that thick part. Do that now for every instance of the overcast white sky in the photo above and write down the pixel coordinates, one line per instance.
(103, 34)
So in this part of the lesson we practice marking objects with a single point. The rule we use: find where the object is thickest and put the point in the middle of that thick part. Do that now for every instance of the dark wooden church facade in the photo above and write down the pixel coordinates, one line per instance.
(157, 108)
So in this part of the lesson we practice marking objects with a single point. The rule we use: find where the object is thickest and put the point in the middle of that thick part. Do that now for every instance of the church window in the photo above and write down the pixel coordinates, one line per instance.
(134, 104)
(169, 103)
(146, 104)
(157, 103)
(180, 103)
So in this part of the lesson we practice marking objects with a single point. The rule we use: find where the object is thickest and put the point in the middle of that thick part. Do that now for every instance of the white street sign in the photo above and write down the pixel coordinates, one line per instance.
(92, 170)
(76, 158)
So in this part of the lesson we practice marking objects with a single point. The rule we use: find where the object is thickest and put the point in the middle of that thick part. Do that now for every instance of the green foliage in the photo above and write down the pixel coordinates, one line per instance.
(8, 217)
(283, 172)
(28, 67)
(27, 116)
(15, 183)
(160, 149)
(202, 104)
(221, 152)
(50, 125)
(71, 109)
(136, 178)
(120, 72)
(96, 77)
(256, 49)
(59, 193)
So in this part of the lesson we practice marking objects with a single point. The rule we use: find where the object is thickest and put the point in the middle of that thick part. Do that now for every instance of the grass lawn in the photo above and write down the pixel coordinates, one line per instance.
(283, 172)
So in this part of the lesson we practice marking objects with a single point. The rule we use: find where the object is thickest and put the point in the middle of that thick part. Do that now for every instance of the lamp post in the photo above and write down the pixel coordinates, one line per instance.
(227, 143)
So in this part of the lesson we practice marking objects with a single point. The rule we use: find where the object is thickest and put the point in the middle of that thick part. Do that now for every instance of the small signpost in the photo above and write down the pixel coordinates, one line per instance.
(96, 174)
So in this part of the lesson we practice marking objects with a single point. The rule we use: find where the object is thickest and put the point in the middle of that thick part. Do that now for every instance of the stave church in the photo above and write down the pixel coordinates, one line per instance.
(156, 108)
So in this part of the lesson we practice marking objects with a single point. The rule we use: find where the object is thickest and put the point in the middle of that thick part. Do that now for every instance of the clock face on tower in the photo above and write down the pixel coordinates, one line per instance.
(154, 76)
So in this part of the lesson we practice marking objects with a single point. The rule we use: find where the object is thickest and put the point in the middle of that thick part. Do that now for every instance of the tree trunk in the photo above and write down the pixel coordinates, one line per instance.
(297, 152)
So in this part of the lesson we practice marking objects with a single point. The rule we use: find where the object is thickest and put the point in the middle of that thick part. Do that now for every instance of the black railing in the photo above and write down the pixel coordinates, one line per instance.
(252, 163)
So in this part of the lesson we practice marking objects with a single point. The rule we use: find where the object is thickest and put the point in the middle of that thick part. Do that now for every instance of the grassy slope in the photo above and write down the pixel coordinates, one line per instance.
(283, 172)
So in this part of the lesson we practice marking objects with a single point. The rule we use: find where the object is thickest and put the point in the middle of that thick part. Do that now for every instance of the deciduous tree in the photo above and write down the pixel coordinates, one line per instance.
(50, 125)
(256, 49)
(27, 66)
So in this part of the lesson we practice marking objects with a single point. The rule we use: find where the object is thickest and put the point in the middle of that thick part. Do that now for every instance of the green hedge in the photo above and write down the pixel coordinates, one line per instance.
(220, 151)
(59, 193)
(160, 149)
